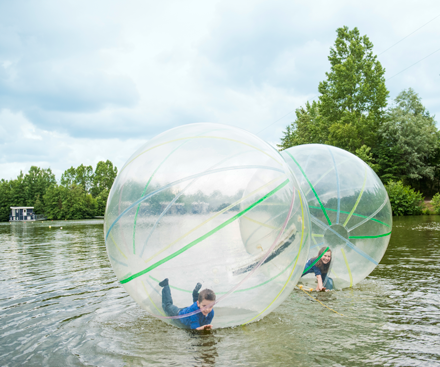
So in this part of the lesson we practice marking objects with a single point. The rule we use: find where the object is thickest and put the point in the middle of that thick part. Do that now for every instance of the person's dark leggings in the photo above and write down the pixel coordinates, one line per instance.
(167, 302)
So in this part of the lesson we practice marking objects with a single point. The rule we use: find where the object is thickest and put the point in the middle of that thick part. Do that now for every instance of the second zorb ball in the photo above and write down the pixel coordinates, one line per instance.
(349, 209)
(176, 211)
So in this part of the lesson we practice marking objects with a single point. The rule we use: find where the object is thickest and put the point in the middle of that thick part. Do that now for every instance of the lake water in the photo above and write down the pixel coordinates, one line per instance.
(61, 305)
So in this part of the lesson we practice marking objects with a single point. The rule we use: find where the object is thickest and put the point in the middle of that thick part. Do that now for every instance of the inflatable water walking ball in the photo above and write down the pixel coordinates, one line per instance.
(349, 209)
(209, 204)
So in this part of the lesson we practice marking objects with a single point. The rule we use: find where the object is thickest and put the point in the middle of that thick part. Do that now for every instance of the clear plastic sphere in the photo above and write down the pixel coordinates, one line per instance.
(183, 207)
(349, 209)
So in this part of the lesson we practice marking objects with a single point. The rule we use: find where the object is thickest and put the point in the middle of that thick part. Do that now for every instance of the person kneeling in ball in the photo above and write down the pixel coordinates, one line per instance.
(204, 301)
(321, 269)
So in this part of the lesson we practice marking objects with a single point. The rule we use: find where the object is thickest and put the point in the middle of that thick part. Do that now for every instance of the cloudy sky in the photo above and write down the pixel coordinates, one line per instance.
(84, 81)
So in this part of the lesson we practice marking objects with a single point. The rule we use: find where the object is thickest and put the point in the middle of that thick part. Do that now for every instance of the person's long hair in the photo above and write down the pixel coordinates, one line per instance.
(323, 267)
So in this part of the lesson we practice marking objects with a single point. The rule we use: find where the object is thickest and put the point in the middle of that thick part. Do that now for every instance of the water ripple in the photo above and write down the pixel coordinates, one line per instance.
(61, 304)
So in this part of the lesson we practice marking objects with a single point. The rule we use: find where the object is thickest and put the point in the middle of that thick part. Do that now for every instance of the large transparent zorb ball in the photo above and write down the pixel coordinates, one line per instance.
(349, 209)
(176, 209)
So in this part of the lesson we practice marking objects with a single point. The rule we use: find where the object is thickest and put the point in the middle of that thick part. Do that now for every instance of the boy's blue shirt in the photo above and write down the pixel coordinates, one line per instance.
(197, 320)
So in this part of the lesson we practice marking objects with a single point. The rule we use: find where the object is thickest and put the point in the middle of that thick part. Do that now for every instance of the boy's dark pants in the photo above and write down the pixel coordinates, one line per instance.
(167, 302)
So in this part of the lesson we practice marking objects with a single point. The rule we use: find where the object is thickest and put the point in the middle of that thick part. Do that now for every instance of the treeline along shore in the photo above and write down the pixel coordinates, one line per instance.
(82, 192)
(398, 139)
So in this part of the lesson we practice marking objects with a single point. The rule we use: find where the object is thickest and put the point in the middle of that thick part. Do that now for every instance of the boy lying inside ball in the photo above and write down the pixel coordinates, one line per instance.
(204, 301)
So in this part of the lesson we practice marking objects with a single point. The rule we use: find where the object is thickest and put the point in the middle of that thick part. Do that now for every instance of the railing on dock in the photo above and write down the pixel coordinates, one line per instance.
(27, 217)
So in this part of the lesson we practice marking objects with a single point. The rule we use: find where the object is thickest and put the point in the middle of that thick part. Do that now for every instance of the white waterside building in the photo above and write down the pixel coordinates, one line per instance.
(22, 213)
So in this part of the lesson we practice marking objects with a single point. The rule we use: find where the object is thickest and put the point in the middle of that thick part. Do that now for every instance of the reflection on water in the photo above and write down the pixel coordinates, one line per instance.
(61, 305)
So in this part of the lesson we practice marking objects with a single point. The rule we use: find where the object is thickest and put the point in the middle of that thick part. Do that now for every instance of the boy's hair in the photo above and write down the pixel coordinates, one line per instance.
(207, 294)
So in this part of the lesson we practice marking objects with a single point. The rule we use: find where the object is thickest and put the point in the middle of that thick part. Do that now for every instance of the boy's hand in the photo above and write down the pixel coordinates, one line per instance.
(205, 327)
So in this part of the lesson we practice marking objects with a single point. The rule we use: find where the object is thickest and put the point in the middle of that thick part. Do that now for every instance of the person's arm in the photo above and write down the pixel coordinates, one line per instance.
(210, 317)
(319, 287)
(317, 272)
(196, 325)
(208, 320)
(205, 327)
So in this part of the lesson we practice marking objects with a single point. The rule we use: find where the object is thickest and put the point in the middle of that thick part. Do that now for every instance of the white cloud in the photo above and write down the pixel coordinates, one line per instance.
(85, 81)
(25, 145)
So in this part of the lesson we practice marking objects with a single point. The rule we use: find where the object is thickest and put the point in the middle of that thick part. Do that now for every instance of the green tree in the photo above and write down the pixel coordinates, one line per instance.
(5, 200)
(25, 190)
(53, 207)
(82, 175)
(352, 99)
(366, 155)
(354, 96)
(18, 192)
(38, 205)
(101, 202)
(411, 135)
(306, 129)
(72, 202)
(36, 182)
(103, 178)
(389, 161)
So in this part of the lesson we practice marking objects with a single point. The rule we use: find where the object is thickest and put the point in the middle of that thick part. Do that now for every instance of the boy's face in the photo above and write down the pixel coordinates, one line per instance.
(205, 306)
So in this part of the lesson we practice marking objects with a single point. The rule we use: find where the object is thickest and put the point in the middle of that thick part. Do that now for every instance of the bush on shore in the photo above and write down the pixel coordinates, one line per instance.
(404, 199)
(435, 203)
